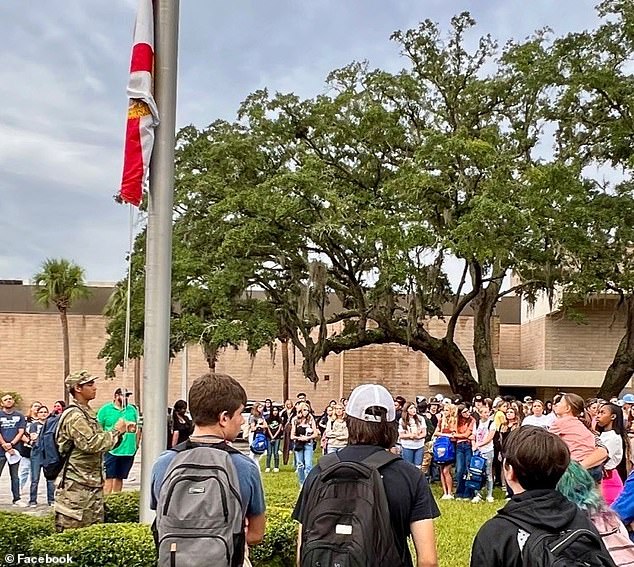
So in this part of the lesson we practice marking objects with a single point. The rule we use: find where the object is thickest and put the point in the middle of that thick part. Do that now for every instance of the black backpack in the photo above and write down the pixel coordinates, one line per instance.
(569, 548)
(348, 521)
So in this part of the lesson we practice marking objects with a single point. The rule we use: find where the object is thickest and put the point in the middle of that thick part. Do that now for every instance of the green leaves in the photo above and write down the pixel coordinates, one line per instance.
(60, 282)
(363, 192)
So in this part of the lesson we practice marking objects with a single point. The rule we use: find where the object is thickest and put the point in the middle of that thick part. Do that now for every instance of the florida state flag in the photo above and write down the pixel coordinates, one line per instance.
(142, 112)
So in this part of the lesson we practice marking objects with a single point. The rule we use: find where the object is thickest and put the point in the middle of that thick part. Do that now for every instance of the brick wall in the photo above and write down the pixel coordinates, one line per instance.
(31, 357)
(510, 347)
(532, 344)
(590, 344)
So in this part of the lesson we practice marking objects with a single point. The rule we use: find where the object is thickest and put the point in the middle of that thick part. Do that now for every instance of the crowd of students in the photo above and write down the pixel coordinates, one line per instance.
(295, 429)
(595, 432)
(562, 463)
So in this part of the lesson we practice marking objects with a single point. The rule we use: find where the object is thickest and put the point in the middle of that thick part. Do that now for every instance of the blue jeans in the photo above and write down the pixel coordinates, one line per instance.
(24, 471)
(463, 457)
(273, 450)
(304, 461)
(489, 456)
(15, 479)
(414, 456)
(36, 470)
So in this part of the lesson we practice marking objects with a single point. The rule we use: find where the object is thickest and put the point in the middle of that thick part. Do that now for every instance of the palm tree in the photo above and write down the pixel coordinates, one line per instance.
(61, 283)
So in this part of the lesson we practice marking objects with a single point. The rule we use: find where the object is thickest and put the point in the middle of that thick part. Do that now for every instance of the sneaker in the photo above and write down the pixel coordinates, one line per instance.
(477, 498)
(19, 504)
(267, 470)
(491, 499)
(276, 470)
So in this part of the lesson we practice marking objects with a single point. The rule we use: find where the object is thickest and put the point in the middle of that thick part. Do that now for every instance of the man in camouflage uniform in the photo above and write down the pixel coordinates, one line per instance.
(79, 493)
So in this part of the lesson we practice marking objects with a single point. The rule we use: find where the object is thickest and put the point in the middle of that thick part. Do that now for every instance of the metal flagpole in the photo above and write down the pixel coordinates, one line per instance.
(158, 263)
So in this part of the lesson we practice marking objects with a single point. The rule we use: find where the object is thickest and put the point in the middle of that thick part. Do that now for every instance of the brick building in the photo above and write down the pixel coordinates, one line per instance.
(537, 351)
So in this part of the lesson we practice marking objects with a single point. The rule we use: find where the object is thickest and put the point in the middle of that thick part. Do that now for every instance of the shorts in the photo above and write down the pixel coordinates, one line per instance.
(118, 466)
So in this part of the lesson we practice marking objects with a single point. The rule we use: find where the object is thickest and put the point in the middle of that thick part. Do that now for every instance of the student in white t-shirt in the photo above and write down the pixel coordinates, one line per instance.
(614, 439)
(538, 417)
(484, 443)
(411, 434)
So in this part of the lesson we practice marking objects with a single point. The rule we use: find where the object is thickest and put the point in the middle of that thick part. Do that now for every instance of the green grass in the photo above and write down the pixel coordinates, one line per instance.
(455, 529)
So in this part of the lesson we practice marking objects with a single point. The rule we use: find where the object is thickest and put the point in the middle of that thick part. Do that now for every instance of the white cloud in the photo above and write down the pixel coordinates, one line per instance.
(62, 95)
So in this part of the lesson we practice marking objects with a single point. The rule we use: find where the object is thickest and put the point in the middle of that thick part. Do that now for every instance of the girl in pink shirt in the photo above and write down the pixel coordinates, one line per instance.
(570, 425)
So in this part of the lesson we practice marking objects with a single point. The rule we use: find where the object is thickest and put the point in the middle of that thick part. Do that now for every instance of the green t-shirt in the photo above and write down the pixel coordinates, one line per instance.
(108, 415)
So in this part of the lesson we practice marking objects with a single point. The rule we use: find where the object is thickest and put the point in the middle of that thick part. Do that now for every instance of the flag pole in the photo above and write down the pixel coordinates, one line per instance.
(158, 263)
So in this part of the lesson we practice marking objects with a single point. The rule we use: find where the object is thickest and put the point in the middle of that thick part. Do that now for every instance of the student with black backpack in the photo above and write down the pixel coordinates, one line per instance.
(359, 505)
(207, 495)
(538, 527)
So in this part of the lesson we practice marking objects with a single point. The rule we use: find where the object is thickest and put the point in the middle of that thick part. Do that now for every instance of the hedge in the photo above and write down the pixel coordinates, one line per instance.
(18, 530)
(103, 545)
(131, 545)
(124, 543)
(278, 548)
(122, 507)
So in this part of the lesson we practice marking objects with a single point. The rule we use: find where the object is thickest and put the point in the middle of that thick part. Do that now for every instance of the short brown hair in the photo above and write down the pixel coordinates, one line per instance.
(381, 433)
(212, 394)
(539, 458)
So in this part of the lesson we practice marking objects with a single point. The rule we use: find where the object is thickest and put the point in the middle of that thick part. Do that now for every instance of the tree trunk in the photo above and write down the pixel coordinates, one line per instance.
(449, 359)
(483, 305)
(66, 342)
(137, 382)
(211, 356)
(620, 372)
(285, 370)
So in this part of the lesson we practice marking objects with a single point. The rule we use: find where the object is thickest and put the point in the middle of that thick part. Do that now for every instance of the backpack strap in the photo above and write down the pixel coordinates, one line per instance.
(376, 460)
(66, 457)
(328, 461)
(379, 459)
(189, 444)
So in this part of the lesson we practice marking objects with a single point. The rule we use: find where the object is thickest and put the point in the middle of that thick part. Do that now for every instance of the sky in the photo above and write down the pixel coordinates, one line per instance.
(63, 73)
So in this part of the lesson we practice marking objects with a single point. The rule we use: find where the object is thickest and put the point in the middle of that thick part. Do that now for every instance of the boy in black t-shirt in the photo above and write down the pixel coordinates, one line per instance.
(370, 416)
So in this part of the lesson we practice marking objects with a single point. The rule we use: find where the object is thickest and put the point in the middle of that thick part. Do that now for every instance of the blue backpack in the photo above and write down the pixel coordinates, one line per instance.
(52, 460)
(259, 444)
(444, 450)
(476, 473)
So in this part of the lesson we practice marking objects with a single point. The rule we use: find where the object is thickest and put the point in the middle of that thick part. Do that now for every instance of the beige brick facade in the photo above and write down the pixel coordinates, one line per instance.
(31, 356)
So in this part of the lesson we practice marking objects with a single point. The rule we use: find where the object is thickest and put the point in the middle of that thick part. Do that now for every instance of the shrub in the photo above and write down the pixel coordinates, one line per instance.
(122, 507)
(278, 548)
(17, 530)
(106, 545)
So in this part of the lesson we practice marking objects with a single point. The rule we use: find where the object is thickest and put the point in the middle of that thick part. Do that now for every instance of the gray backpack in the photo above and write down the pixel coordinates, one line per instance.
(199, 519)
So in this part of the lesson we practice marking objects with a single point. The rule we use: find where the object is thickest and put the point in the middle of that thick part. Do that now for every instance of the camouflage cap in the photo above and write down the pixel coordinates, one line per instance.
(78, 378)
